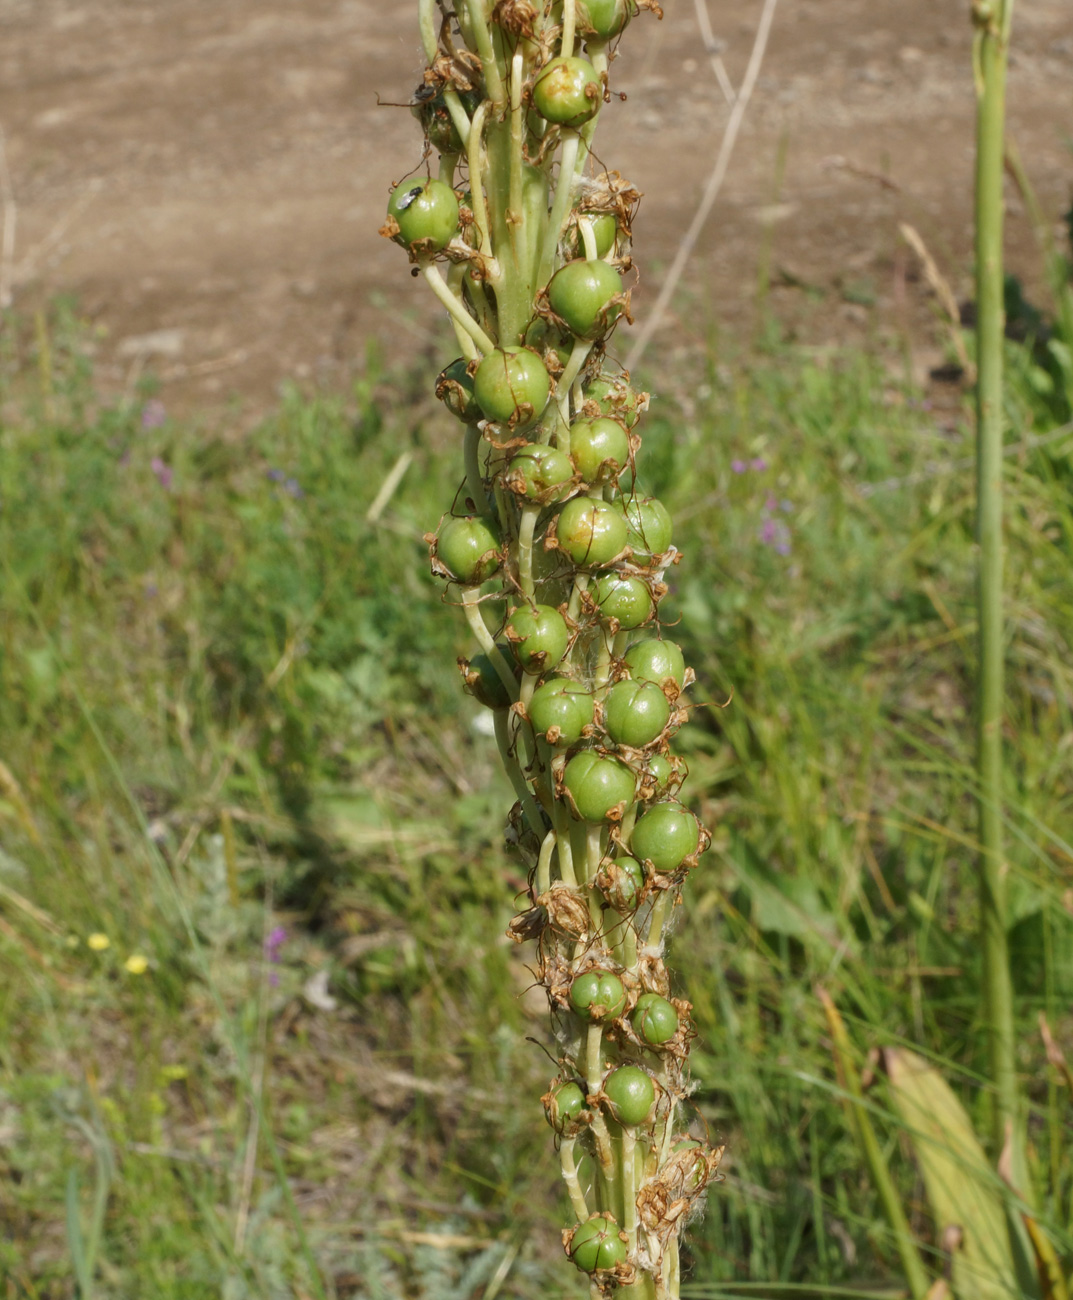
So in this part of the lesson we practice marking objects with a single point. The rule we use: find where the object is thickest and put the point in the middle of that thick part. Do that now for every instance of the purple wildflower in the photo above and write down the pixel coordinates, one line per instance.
(775, 534)
(759, 463)
(153, 414)
(293, 488)
(275, 475)
(739, 466)
(274, 941)
(162, 471)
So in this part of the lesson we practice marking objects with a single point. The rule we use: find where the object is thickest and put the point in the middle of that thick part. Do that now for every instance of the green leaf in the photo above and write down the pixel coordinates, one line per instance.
(962, 1189)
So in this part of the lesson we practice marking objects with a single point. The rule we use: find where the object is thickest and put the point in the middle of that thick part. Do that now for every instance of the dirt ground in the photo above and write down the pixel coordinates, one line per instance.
(207, 176)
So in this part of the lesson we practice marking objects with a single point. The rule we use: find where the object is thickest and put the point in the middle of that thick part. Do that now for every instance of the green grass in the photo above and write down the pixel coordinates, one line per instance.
(229, 704)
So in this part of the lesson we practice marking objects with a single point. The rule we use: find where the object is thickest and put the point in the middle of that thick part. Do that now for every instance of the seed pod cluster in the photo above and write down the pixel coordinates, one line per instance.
(558, 559)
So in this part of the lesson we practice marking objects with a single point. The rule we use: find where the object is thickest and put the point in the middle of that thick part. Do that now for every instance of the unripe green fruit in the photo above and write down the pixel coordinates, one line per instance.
(613, 395)
(435, 117)
(581, 294)
(603, 18)
(648, 525)
(653, 660)
(635, 713)
(544, 637)
(631, 1094)
(654, 1019)
(454, 388)
(596, 1245)
(599, 448)
(469, 548)
(427, 214)
(665, 836)
(626, 599)
(660, 769)
(536, 471)
(604, 232)
(598, 995)
(626, 879)
(562, 704)
(483, 682)
(564, 1104)
(568, 91)
(591, 532)
(599, 788)
(512, 387)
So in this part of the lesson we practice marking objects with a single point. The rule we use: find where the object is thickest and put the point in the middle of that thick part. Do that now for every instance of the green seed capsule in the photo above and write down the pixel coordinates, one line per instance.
(581, 294)
(469, 548)
(563, 1105)
(600, 448)
(660, 769)
(625, 879)
(603, 18)
(648, 526)
(598, 995)
(483, 682)
(600, 788)
(635, 713)
(654, 1019)
(665, 836)
(512, 387)
(596, 1245)
(426, 213)
(626, 599)
(653, 660)
(454, 388)
(591, 532)
(631, 1094)
(560, 710)
(540, 473)
(568, 91)
(616, 398)
(539, 636)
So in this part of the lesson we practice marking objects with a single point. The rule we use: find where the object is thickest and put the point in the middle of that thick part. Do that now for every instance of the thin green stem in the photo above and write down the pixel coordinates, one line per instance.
(471, 608)
(569, 20)
(564, 192)
(516, 202)
(513, 769)
(629, 1186)
(475, 158)
(459, 116)
(543, 874)
(471, 452)
(482, 37)
(457, 310)
(594, 1066)
(993, 52)
(526, 529)
(579, 354)
(570, 1177)
(426, 18)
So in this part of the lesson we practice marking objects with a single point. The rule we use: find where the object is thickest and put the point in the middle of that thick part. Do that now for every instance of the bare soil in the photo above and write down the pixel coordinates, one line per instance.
(207, 177)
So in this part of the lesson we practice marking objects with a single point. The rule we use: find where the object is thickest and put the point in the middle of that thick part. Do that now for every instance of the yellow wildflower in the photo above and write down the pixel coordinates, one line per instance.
(98, 942)
(136, 964)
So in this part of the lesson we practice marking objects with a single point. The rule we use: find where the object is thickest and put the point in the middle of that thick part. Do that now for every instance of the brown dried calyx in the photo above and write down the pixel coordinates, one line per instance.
(517, 17)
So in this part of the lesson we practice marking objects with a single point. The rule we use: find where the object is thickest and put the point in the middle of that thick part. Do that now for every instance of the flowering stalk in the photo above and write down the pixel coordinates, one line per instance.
(558, 561)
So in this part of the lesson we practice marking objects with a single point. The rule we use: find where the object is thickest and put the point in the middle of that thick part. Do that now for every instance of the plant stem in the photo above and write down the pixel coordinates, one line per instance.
(456, 308)
(992, 51)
